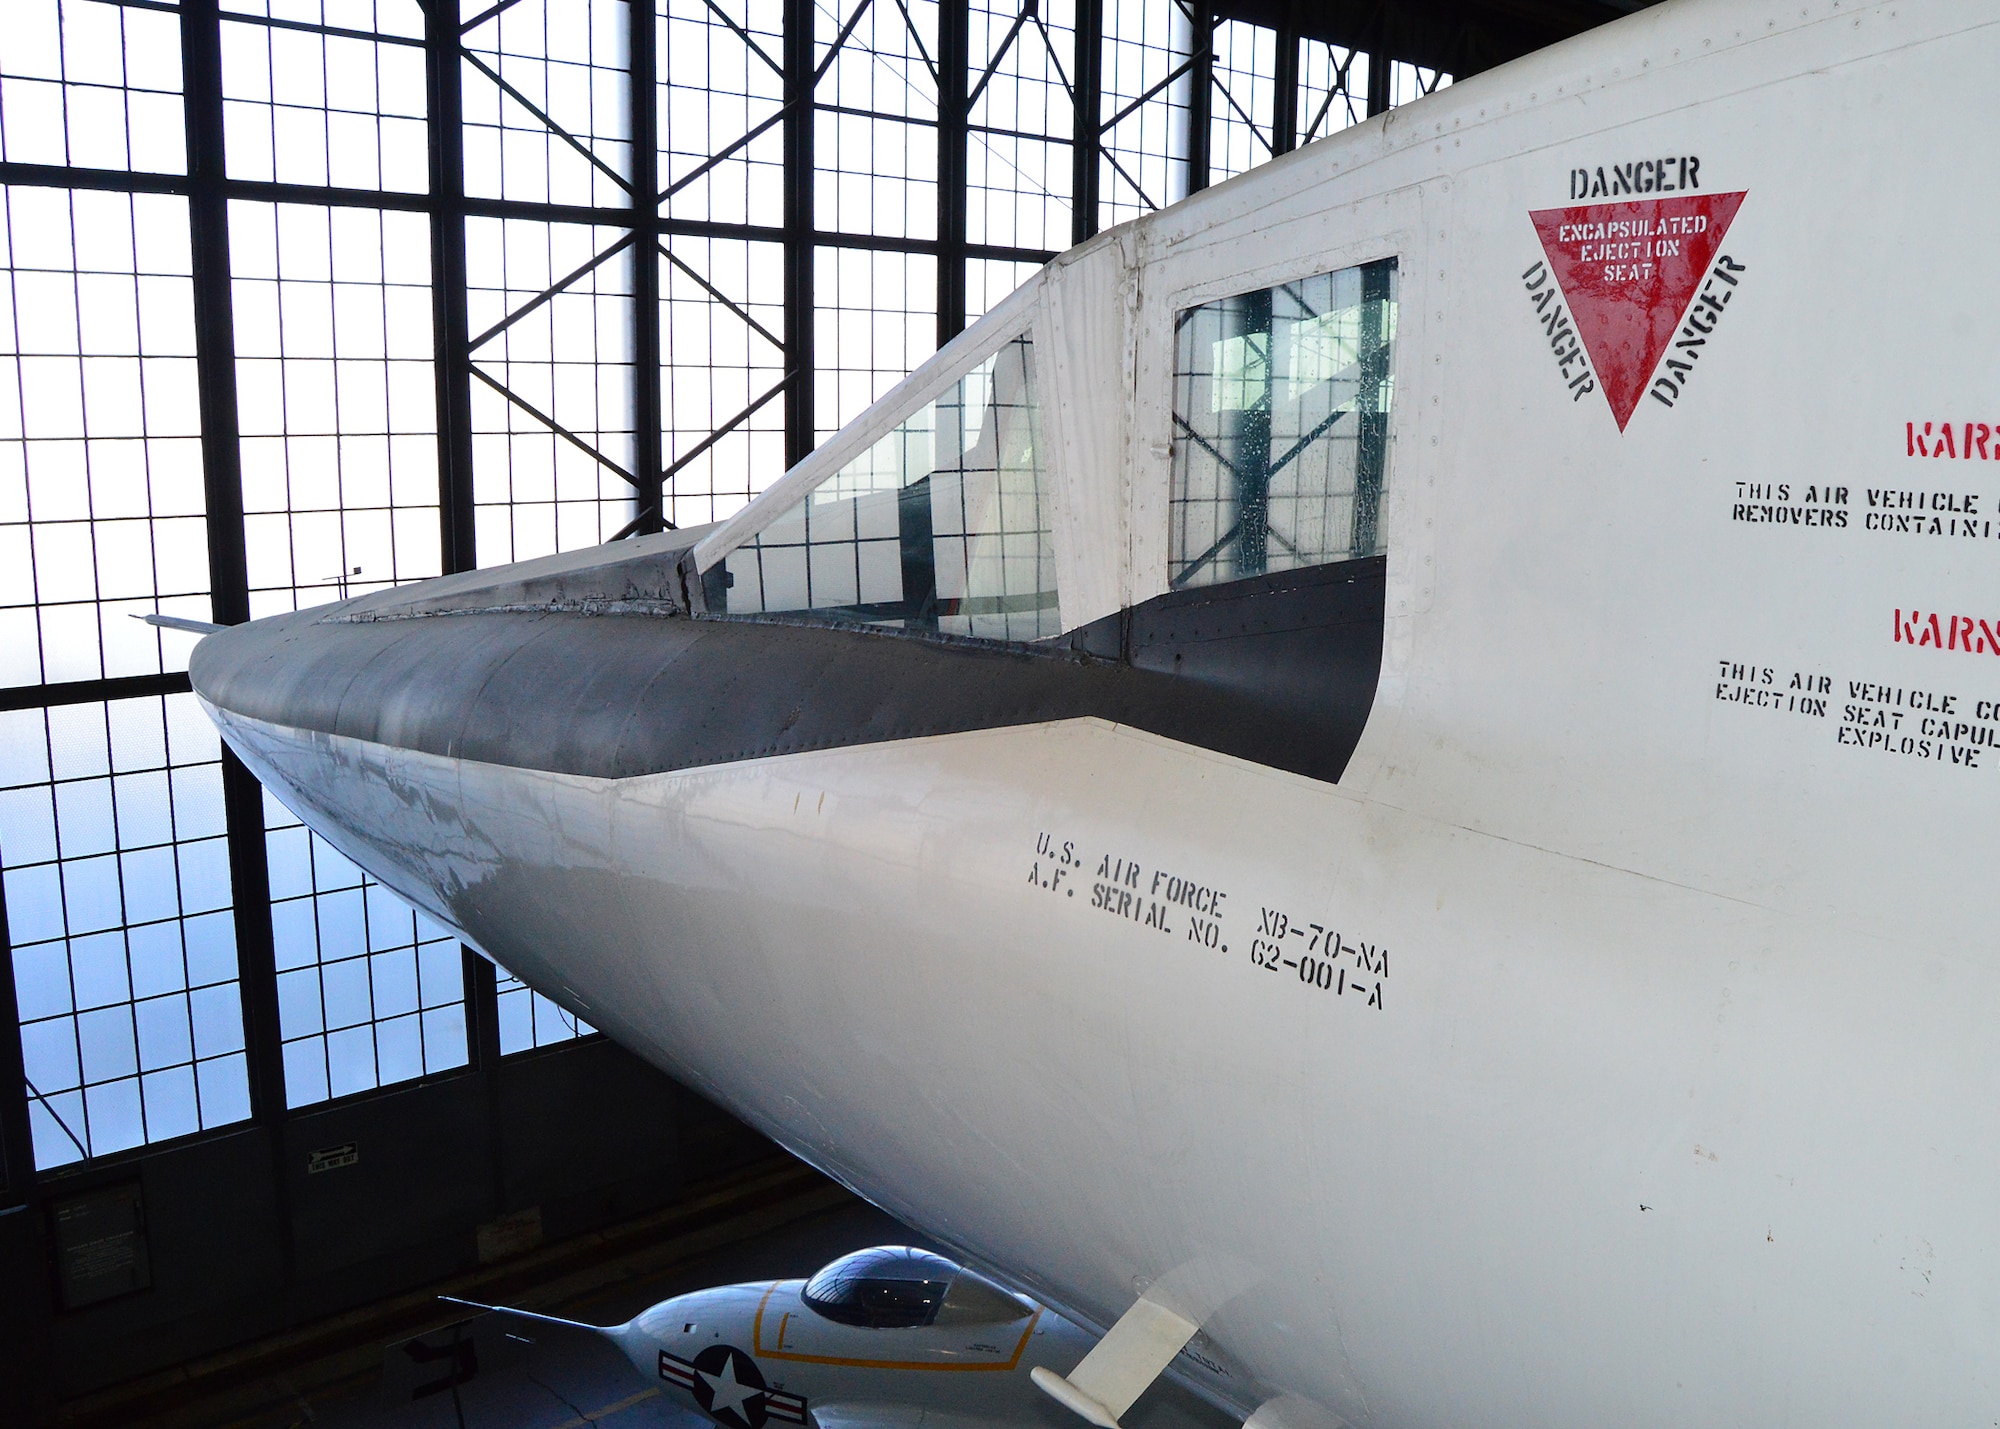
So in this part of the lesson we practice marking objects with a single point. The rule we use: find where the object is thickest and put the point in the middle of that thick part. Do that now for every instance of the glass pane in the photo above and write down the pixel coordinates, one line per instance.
(310, 107)
(1144, 163)
(89, 84)
(941, 525)
(1333, 89)
(721, 92)
(1281, 426)
(402, 18)
(874, 321)
(547, 107)
(1408, 82)
(529, 1020)
(1242, 110)
(101, 498)
(550, 306)
(1017, 148)
(988, 280)
(875, 139)
(370, 991)
(118, 904)
(722, 411)
(336, 398)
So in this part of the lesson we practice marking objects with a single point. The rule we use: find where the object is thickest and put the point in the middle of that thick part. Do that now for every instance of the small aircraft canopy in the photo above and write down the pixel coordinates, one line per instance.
(889, 1287)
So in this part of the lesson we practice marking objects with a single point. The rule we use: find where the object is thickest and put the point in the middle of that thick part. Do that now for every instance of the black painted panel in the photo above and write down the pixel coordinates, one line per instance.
(27, 1299)
(407, 1184)
(213, 1244)
(1278, 669)
(586, 1131)
(623, 1142)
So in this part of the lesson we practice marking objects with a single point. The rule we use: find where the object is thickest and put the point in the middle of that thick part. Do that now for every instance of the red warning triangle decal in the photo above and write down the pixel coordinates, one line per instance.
(1629, 271)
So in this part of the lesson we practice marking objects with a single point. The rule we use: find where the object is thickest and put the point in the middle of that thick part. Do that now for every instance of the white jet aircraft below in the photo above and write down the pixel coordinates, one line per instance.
(886, 1338)
(1391, 762)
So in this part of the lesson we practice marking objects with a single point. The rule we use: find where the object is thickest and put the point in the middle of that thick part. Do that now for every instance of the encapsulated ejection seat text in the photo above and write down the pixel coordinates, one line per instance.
(1630, 273)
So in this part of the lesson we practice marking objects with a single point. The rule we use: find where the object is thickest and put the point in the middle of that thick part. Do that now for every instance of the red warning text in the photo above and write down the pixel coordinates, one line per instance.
(1948, 632)
(1961, 441)
(1629, 272)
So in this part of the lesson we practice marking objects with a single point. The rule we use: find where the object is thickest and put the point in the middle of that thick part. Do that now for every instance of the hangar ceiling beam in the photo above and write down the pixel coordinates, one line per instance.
(1378, 84)
(1461, 36)
(452, 346)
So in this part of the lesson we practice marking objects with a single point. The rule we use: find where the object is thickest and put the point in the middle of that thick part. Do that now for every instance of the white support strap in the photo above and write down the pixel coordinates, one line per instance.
(1117, 1370)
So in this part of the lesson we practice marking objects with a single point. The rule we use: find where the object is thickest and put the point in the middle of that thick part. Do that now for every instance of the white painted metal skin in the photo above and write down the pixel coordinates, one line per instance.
(1679, 1103)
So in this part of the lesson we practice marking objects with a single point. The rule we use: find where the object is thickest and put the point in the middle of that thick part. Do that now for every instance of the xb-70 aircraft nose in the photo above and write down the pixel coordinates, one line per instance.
(585, 763)
(428, 731)
(598, 665)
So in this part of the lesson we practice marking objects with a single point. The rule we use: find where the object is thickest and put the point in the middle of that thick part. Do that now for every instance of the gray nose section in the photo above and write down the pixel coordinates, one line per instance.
(411, 667)
(591, 664)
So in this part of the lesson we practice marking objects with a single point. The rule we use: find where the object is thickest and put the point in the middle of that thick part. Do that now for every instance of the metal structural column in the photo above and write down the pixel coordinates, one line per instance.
(452, 359)
(24, 1312)
(1285, 84)
(457, 517)
(1087, 121)
(215, 336)
(798, 209)
(229, 580)
(1378, 81)
(646, 460)
(17, 1142)
(1201, 96)
(954, 60)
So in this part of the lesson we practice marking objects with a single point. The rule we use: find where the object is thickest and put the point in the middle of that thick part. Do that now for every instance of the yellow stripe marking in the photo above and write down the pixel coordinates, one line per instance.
(775, 1353)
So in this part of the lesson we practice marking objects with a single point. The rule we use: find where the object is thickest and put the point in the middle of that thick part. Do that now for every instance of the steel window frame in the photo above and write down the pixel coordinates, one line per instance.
(645, 229)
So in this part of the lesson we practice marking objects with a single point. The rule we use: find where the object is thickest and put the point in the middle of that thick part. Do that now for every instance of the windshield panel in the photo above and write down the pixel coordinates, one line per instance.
(886, 1288)
(941, 525)
(1282, 399)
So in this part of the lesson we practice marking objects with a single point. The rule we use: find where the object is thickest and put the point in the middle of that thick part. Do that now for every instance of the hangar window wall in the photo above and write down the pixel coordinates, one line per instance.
(101, 499)
(118, 899)
(370, 992)
(304, 298)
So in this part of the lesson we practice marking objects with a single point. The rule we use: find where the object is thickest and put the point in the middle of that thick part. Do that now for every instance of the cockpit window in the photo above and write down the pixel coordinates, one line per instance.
(887, 1288)
(1281, 426)
(942, 525)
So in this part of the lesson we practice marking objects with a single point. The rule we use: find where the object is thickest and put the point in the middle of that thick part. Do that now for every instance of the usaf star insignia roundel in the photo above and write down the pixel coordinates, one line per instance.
(730, 1389)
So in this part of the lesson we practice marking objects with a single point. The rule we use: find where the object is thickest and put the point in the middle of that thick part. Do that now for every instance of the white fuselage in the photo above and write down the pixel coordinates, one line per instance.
(1591, 1135)
(1652, 1079)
